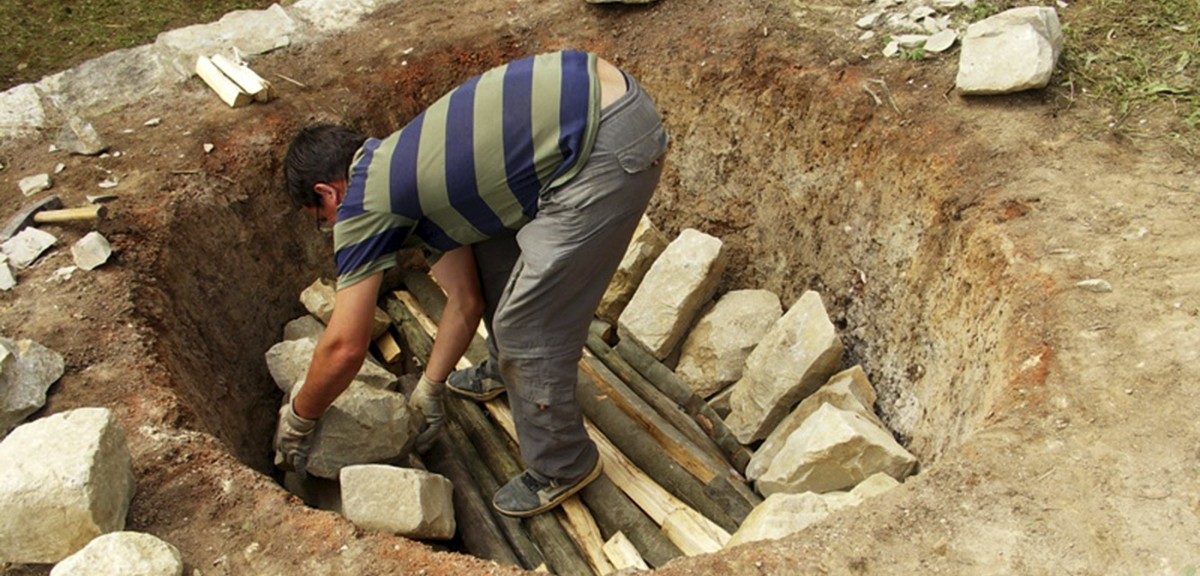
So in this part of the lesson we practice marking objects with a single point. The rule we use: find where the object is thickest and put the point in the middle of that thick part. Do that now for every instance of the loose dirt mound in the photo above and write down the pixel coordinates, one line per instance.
(1055, 426)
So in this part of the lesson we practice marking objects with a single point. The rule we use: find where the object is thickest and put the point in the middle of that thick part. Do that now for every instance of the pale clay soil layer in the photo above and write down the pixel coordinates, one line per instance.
(1055, 426)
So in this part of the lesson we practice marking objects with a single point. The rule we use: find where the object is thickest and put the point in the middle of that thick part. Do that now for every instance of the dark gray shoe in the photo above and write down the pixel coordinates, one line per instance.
(477, 382)
(529, 494)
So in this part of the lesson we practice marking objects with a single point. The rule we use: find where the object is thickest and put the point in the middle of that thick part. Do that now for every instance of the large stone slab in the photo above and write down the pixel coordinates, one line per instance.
(303, 327)
(645, 246)
(834, 449)
(124, 553)
(108, 82)
(288, 362)
(363, 426)
(849, 390)
(411, 503)
(782, 514)
(334, 15)
(249, 31)
(798, 354)
(21, 112)
(714, 353)
(25, 247)
(27, 370)
(67, 479)
(319, 299)
(679, 283)
(1012, 51)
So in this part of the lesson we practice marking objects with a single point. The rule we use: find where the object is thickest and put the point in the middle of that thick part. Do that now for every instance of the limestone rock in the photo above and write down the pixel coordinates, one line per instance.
(679, 283)
(834, 449)
(363, 426)
(91, 251)
(25, 247)
(620, 1)
(798, 355)
(911, 40)
(869, 21)
(780, 515)
(849, 390)
(21, 112)
(31, 185)
(646, 245)
(334, 15)
(67, 479)
(249, 31)
(316, 492)
(27, 370)
(877, 484)
(715, 351)
(303, 327)
(288, 362)
(411, 503)
(941, 41)
(124, 553)
(7, 280)
(319, 297)
(80, 137)
(103, 84)
(1012, 51)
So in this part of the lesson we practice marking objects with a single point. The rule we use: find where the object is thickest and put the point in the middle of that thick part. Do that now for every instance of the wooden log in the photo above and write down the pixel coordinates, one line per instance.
(582, 527)
(516, 533)
(246, 79)
(692, 537)
(623, 554)
(615, 513)
(415, 337)
(389, 350)
(667, 382)
(227, 90)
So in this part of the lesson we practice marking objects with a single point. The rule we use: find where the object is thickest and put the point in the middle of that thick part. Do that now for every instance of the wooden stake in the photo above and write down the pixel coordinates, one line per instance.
(622, 553)
(229, 92)
(389, 350)
(245, 78)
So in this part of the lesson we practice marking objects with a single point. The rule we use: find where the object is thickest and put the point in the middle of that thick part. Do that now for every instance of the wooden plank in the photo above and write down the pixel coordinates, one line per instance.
(623, 554)
(228, 91)
(245, 78)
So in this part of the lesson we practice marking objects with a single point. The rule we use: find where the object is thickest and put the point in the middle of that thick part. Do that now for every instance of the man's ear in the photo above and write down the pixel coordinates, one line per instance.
(326, 191)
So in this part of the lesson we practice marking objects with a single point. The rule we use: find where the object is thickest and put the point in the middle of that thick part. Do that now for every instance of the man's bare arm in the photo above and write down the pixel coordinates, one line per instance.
(457, 275)
(340, 352)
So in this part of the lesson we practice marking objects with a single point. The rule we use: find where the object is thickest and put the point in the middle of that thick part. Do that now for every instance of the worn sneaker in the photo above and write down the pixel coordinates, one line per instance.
(476, 383)
(529, 494)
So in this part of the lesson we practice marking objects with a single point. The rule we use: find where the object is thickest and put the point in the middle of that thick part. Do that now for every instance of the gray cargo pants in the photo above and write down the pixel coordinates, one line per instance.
(541, 285)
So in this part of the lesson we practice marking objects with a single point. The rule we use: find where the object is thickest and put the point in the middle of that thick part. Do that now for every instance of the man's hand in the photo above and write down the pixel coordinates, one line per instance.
(292, 440)
(427, 397)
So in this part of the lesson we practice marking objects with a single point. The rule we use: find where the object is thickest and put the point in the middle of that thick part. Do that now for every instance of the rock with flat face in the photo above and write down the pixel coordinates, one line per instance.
(834, 450)
(25, 247)
(27, 370)
(31, 185)
(875, 485)
(67, 479)
(303, 327)
(108, 82)
(21, 112)
(7, 280)
(849, 390)
(91, 251)
(715, 351)
(319, 298)
(798, 354)
(363, 426)
(249, 31)
(333, 15)
(288, 362)
(781, 515)
(411, 503)
(679, 283)
(124, 553)
(1012, 51)
(80, 137)
(645, 246)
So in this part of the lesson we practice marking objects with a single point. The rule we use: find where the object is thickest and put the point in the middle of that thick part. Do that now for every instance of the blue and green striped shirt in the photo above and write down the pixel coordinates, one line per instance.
(470, 166)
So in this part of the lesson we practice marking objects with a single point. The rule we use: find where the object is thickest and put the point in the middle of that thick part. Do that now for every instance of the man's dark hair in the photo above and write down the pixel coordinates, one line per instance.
(319, 153)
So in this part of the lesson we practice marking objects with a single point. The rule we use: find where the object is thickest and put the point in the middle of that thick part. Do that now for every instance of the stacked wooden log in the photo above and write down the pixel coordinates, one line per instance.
(677, 445)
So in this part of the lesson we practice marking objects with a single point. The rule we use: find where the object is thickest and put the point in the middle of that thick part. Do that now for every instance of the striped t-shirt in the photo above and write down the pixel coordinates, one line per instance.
(470, 166)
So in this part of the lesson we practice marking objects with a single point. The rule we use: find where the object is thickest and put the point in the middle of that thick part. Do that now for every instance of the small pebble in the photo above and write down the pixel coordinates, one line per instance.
(1096, 285)
(208, 147)
(58, 168)
(153, 122)
(108, 183)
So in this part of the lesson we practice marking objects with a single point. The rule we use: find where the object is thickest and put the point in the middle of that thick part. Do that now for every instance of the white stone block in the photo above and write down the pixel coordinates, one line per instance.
(781, 515)
(319, 299)
(91, 251)
(67, 479)
(288, 363)
(31, 185)
(679, 283)
(849, 390)
(1012, 51)
(411, 503)
(305, 326)
(124, 554)
(334, 15)
(7, 280)
(714, 354)
(645, 246)
(27, 370)
(833, 450)
(249, 31)
(21, 112)
(25, 247)
(798, 354)
(875, 485)
(363, 426)
(108, 82)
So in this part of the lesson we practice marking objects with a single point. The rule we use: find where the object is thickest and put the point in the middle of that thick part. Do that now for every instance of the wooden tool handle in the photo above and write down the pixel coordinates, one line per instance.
(94, 212)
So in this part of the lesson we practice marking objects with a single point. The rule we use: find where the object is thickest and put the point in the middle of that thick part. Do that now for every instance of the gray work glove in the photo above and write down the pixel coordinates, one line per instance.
(292, 439)
(427, 397)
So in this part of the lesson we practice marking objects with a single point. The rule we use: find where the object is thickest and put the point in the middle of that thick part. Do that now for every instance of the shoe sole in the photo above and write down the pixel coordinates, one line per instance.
(479, 396)
(580, 485)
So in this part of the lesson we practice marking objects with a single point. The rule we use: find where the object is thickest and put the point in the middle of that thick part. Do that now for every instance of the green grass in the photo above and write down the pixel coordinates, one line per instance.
(45, 36)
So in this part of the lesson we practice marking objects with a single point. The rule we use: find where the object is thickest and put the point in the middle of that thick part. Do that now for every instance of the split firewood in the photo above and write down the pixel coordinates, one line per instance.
(693, 537)
(229, 92)
(622, 553)
(583, 529)
(615, 512)
(245, 78)
(389, 350)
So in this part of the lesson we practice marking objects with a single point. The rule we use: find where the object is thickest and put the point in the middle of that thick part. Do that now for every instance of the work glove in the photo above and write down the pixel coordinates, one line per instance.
(427, 397)
(292, 438)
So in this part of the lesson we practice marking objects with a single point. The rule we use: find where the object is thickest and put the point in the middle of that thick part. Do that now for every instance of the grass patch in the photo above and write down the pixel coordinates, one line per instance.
(45, 37)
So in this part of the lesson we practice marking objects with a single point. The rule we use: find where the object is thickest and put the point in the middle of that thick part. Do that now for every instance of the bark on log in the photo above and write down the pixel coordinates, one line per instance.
(616, 513)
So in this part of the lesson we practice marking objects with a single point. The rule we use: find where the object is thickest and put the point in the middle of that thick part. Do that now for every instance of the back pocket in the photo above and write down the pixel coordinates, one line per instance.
(642, 152)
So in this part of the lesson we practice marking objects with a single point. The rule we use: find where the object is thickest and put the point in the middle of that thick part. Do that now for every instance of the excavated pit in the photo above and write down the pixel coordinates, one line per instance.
(809, 182)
